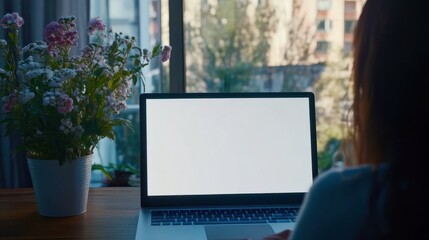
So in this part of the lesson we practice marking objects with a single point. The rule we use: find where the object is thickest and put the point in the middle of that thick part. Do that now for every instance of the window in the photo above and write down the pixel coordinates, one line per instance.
(239, 46)
(140, 18)
(349, 6)
(324, 5)
(324, 25)
(323, 46)
(348, 47)
(270, 46)
(349, 26)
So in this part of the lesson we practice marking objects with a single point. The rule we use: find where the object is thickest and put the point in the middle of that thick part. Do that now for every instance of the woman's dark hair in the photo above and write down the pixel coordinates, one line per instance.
(391, 100)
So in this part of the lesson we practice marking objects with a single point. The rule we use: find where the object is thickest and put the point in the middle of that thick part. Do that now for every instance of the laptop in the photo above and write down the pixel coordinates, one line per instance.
(224, 165)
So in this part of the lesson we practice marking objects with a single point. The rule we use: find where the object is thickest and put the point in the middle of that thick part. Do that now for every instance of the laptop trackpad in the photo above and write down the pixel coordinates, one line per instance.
(238, 232)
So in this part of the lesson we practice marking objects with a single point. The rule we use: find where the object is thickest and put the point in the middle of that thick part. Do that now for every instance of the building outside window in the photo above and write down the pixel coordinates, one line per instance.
(241, 46)
(350, 6)
(324, 25)
(349, 26)
(324, 5)
(323, 46)
(348, 47)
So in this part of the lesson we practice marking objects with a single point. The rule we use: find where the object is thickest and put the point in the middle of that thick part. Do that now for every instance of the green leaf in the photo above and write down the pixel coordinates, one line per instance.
(124, 122)
(110, 135)
(156, 50)
(132, 169)
(100, 167)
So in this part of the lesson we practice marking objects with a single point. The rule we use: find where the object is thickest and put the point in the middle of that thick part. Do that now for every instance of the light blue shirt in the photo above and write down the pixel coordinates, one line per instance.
(336, 205)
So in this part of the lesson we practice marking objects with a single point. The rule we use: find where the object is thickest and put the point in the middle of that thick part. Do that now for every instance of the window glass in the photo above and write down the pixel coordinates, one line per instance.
(324, 25)
(139, 18)
(117, 8)
(244, 46)
(275, 45)
(349, 7)
(349, 26)
(323, 46)
(324, 4)
(347, 47)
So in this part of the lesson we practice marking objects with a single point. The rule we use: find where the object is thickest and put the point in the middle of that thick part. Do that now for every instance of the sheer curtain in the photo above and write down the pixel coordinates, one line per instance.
(36, 13)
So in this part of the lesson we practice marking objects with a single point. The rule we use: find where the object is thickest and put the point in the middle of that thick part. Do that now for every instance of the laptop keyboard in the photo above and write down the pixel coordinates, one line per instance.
(223, 216)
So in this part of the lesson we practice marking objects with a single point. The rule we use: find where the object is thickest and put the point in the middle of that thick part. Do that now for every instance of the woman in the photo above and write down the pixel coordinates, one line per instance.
(385, 196)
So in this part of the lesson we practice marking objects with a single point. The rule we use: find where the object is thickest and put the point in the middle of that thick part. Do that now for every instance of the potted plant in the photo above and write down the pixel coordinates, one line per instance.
(117, 175)
(63, 105)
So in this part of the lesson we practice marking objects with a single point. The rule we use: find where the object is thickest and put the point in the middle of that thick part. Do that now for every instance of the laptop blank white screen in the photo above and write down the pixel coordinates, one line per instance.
(202, 146)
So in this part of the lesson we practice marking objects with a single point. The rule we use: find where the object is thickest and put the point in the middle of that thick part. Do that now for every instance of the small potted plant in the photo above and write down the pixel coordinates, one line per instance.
(117, 175)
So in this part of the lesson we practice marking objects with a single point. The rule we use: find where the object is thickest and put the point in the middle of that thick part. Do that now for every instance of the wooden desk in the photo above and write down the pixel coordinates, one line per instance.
(112, 213)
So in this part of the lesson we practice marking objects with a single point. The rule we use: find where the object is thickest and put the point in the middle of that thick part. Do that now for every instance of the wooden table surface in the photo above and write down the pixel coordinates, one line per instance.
(112, 213)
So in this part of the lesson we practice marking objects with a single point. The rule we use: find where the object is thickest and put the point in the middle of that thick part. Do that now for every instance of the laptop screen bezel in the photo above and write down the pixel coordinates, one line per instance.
(222, 199)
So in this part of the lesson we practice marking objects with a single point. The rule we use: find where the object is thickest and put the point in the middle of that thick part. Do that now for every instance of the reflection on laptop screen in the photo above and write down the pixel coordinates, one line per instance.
(206, 146)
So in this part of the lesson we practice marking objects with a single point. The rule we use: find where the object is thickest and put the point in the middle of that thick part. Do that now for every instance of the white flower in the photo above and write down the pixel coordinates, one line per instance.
(78, 130)
(25, 95)
(107, 73)
(55, 82)
(68, 91)
(77, 95)
(45, 101)
(66, 126)
(66, 74)
(35, 73)
(48, 98)
(34, 48)
(49, 73)
(3, 43)
(29, 64)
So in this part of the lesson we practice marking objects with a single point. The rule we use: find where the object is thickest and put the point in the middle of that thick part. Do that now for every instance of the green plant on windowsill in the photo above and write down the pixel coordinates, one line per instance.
(117, 175)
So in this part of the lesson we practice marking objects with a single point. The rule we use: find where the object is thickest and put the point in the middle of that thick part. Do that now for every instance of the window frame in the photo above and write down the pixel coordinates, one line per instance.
(176, 31)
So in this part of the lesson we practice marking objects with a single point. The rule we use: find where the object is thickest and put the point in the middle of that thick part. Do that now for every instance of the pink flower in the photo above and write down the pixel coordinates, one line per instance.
(11, 20)
(10, 102)
(61, 34)
(96, 24)
(71, 37)
(66, 106)
(165, 53)
(53, 32)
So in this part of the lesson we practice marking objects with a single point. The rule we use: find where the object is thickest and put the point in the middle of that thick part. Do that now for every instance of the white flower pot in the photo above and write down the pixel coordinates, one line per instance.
(61, 191)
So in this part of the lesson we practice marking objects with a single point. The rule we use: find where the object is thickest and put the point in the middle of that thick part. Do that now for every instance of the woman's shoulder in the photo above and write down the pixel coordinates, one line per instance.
(336, 204)
(342, 179)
